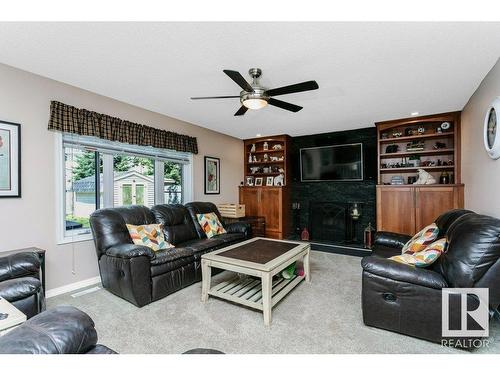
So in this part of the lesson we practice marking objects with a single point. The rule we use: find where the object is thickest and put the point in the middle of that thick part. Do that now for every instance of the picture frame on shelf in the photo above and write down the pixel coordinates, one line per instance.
(259, 181)
(10, 160)
(269, 181)
(212, 175)
(249, 181)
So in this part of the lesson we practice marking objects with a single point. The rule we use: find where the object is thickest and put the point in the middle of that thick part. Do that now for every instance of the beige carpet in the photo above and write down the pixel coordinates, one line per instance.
(321, 317)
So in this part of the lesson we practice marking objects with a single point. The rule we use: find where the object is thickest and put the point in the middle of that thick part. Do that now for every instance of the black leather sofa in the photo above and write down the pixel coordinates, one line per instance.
(406, 299)
(140, 275)
(20, 282)
(62, 330)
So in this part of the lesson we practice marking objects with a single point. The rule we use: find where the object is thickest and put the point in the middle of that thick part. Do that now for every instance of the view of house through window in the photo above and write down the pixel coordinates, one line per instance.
(133, 180)
(80, 188)
(132, 183)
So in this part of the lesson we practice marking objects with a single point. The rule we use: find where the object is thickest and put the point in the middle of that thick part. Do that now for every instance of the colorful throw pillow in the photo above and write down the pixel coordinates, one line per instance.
(425, 257)
(210, 224)
(150, 235)
(420, 241)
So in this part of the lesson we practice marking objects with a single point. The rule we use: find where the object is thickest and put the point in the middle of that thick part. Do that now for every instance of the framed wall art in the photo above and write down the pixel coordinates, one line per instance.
(10, 160)
(212, 175)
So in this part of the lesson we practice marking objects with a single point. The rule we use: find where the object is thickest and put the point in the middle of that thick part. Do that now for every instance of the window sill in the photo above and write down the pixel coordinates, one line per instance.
(75, 238)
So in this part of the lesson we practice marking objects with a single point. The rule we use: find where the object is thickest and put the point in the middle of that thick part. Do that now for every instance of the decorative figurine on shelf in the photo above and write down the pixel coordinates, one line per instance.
(254, 159)
(277, 147)
(274, 158)
(280, 179)
(444, 178)
(439, 145)
(415, 146)
(397, 133)
(384, 136)
(281, 158)
(439, 130)
(253, 148)
(391, 149)
(424, 178)
(266, 157)
(254, 169)
(266, 146)
(249, 158)
(421, 130)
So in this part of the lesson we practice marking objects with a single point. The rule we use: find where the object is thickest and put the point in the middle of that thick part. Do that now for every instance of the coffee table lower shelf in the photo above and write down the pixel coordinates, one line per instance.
(248, 291)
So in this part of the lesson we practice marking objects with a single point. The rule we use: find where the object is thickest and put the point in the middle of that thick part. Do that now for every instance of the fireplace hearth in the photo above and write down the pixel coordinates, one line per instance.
(328, 221)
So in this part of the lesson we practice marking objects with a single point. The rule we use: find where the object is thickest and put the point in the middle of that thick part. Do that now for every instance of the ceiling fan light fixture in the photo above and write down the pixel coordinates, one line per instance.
(254, 103)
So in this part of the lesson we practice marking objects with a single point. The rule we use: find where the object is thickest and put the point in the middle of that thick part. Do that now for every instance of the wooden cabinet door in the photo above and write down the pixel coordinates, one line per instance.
(250, 198)
(432, 201)
(396, 209)
(270, 207)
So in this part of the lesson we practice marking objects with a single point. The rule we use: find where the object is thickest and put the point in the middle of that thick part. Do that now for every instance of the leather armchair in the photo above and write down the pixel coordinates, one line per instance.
(387, 244)
(63, 330)
(141, 275)
(405, 299)
(20, 282)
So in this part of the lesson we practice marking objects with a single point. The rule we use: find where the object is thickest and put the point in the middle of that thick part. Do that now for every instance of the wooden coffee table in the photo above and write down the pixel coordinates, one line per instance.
(261, 259)
(14, 318)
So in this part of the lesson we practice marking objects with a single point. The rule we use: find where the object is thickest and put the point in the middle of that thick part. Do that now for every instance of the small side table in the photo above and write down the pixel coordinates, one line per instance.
(14, 318)
(41, 255)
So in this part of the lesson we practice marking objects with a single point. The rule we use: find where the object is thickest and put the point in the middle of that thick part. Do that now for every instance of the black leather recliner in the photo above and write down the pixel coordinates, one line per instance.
(407, 299)
(62, 330)
(20, 282)
(141, 275)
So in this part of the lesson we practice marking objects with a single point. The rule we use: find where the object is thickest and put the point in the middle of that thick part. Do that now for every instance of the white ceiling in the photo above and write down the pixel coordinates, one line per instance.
(366, 72)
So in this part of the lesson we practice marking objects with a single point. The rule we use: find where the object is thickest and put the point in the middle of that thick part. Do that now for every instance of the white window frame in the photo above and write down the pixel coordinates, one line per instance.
(62, 236)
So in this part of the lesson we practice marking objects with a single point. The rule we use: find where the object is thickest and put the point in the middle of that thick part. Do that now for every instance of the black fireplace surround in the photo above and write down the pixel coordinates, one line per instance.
(318, 198)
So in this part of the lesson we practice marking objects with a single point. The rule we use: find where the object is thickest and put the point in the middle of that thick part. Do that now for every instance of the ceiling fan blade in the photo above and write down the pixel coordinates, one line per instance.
(241, 111)
(298, 87)
(215, 97)
(238, 78)
(284, 105)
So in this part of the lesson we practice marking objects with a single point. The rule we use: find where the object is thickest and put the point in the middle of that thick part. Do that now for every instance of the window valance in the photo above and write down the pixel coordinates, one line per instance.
(69, 119)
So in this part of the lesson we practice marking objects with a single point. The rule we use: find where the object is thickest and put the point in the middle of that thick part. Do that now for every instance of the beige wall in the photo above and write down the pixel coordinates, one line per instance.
(480, 173)
(31, 220)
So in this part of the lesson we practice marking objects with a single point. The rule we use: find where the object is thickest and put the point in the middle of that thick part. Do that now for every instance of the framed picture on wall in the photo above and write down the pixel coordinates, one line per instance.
(10, 160)
(212, 175)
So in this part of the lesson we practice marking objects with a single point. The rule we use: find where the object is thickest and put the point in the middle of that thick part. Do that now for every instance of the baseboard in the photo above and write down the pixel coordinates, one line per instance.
(71, 287)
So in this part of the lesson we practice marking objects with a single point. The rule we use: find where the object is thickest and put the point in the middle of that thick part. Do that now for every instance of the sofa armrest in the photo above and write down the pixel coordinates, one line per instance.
(62, 330)
(130, 250)
(390, 239)
(402, 272)
(240, 227)
(19, 265)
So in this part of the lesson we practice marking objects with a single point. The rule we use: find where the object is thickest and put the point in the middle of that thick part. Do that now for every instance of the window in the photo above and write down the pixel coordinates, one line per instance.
(81, 188)
(128, 175)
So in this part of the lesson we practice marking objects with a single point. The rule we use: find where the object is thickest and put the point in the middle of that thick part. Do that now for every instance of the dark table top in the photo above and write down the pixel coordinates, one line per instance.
(260, 251)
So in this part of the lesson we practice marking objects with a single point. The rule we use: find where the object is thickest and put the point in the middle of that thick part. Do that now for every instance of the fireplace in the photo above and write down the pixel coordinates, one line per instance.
(328, 221)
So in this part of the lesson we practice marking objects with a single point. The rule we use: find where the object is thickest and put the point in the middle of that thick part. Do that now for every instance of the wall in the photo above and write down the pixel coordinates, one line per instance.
(31, 220)
(342, 191)
(480, 173)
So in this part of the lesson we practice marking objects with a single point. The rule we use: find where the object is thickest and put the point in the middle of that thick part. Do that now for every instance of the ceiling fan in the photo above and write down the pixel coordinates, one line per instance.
(255, 96)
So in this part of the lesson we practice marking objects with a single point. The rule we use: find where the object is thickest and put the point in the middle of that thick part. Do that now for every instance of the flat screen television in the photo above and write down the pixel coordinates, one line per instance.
(332, 163)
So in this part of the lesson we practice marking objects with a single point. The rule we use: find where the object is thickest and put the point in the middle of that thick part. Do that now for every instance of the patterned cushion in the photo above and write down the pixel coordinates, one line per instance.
(420, 241)
(150, 235)
(425, 257)
(210, 224)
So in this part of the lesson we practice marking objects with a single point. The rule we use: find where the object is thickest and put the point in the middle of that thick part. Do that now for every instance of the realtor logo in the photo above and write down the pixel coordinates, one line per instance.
(465, 312)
